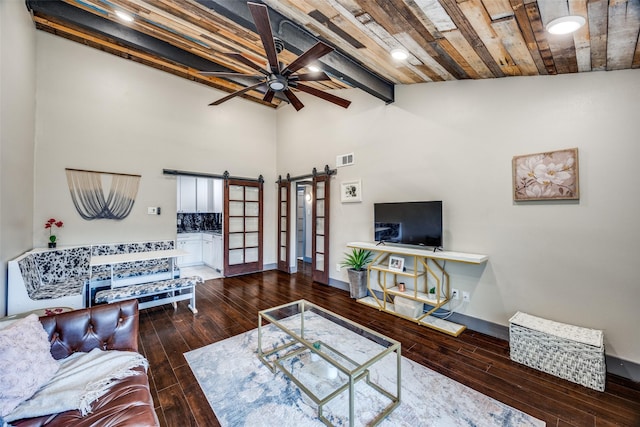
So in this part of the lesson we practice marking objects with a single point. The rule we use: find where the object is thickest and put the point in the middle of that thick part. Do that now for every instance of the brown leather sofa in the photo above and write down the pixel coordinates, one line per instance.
(110, 327)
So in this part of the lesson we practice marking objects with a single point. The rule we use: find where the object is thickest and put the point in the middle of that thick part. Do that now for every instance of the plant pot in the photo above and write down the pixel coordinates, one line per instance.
(52, 244)
(357, 283)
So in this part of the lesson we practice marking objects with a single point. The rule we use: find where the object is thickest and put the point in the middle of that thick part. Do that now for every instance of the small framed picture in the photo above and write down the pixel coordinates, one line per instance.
(396, 263)
(351, 191)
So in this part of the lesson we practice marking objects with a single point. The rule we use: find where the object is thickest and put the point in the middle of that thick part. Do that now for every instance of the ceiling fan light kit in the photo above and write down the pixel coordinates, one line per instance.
(277, 78)
(565, 24)
(277, 83)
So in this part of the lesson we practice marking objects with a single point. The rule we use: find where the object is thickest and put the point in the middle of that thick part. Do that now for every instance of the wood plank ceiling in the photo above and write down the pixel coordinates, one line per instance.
(445, 39)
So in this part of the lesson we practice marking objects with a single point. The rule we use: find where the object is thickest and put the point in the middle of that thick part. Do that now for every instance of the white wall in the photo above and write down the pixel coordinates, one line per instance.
(454, 141)
(17, 117)
(451, 141)
(99, 112)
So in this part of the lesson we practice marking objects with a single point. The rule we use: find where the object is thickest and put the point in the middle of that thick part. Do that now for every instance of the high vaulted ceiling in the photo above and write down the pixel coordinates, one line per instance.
(445, 39)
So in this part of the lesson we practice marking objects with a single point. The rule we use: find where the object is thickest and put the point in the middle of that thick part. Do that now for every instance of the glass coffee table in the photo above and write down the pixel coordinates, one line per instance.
(328, 356)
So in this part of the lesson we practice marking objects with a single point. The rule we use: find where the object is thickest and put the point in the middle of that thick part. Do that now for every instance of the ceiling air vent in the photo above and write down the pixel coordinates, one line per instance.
(345, 160)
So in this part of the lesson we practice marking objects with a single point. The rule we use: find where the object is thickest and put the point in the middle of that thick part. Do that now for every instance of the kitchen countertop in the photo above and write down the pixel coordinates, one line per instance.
(219, 232)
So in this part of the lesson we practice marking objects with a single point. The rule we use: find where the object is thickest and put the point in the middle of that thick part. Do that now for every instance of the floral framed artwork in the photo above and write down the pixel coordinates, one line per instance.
(546, 176)
(351, 191)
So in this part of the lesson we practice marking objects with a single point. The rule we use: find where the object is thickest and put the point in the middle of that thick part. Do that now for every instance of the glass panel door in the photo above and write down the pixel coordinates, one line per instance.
(284, 196)
(320, 229)
(243, 226)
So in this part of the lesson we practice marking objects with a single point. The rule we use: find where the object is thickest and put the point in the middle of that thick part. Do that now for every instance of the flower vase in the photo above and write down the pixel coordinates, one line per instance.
(52, 245)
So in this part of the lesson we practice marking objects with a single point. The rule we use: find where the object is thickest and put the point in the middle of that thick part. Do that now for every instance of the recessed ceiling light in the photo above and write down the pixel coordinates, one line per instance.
(124, 16)
(399, 54)
(314, 68)
(565, 24)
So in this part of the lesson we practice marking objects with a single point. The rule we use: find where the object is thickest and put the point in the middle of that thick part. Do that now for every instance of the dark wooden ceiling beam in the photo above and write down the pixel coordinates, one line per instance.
(446, 39)
(108, 45)
(64, 12)
(298, 40)
(338, 65)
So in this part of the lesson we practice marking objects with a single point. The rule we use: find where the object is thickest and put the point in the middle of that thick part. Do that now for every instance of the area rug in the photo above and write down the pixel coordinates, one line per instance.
(242, 391)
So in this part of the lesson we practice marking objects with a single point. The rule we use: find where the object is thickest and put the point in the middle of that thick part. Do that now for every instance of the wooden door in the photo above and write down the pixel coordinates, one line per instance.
(243, 226)
(320, 229)
(284, 204)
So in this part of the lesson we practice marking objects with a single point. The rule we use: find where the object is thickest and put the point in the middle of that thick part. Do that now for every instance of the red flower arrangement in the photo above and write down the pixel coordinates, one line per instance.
(49, 225)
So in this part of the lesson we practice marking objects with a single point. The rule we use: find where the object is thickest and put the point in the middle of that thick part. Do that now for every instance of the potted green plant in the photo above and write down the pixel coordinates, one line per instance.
(356, 262)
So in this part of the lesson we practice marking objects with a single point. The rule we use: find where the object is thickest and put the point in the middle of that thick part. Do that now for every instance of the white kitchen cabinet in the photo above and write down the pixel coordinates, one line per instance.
(201, 195)
(207, 250)
(204, 195)
(191, 243)
(186, 194)
(218, 193)
(218, 253)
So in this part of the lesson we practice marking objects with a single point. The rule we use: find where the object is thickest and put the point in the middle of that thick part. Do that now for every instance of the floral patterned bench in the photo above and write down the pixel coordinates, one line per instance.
(42, 278)
(154, 293)
(129, 273)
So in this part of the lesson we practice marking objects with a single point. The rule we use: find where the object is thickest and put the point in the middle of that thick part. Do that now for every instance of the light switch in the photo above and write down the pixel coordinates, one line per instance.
(152, 211)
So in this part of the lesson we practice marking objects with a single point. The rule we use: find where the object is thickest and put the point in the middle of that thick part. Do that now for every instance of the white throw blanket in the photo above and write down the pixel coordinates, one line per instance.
(81, 379)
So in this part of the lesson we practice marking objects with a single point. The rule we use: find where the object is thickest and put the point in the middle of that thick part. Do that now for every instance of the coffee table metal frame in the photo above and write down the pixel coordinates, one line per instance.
(299, 345)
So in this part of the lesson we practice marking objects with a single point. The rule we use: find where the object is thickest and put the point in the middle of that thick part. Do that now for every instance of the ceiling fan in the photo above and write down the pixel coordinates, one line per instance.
(278, 78)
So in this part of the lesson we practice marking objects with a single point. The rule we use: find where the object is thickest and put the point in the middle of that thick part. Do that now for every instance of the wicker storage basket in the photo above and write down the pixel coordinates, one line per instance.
(566, 351)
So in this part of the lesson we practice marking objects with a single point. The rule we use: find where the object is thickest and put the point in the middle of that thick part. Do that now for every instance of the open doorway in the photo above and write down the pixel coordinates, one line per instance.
(304, 205)
(304, 245)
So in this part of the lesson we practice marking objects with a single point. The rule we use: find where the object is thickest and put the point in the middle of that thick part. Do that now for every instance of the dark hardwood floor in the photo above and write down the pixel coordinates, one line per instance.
(229, 306)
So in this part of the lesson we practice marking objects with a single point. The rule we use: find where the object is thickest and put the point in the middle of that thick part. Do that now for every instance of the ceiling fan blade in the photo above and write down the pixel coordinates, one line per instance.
(223, 74)
(268, 97)
(263, 25)
(236, 93)
(316, 51)
(311, 77)
(294, 100)
(324, 95)
(238, 57)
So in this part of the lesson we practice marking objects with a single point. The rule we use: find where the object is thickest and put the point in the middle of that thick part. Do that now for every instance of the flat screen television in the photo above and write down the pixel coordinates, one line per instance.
(409, 223)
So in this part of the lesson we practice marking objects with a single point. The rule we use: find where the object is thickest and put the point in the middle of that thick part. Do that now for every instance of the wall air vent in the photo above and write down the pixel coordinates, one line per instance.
(345, 160)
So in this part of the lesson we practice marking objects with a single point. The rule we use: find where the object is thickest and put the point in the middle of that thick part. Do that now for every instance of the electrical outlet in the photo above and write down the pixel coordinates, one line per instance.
(466, 297)
(338, 267)
(455, 294)
(152, 211)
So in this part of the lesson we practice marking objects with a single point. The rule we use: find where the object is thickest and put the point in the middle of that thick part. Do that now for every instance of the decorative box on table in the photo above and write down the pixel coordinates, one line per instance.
(566, 351)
